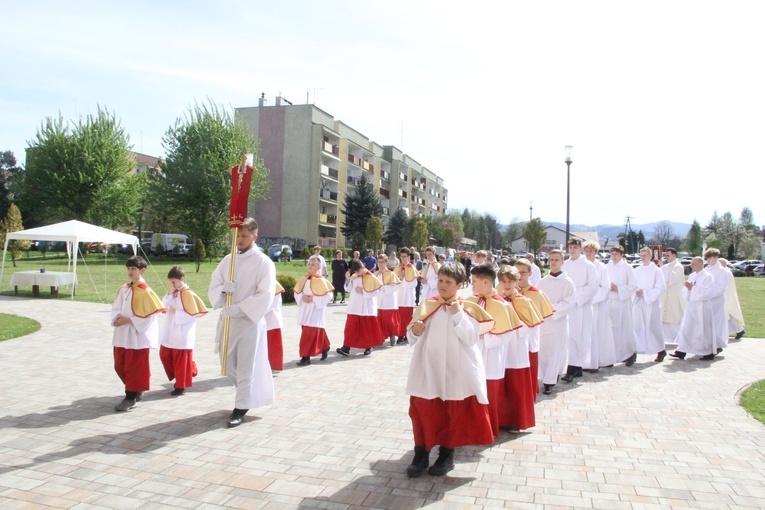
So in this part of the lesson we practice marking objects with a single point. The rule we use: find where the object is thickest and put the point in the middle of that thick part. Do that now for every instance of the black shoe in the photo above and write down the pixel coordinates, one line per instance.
(609, 366)
(139, 396)
(677, 354)
(125, 405)
(591, 370)
(342, 302)
(740, 334)
(660, 357)
(444, 463)
(324, 354)
(367, 352)
(578, 372)
(548, 389)
(708, 357)
(177, 392)
(305, 360)
(419, 463)
(719, 350)
(568, 378)
(402, 341)
(236, 418)
(631, 360)
(334, 301)
(343, 351)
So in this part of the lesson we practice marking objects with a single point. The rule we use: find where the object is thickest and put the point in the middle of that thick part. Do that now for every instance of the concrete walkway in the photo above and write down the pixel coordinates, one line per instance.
(666, 435)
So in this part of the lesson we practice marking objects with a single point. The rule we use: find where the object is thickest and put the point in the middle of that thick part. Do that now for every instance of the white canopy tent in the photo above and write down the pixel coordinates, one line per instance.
(71, 232)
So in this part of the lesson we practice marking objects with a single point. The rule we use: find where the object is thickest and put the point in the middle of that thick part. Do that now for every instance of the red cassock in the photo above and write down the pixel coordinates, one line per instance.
(179, 365)
(313, 341)
(450, 423)
(516, 400)
(389, 322)
(275, 349)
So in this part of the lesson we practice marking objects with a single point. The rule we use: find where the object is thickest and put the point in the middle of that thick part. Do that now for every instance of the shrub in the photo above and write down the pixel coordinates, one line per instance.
(288, 282)
(306, 253)
(738, 272)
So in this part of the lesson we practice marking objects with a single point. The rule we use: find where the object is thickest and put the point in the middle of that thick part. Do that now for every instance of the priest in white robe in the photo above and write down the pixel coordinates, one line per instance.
(672, 303)
(252, 290)
(623, 287)
(553, 340)
(695, 335)
(732, 305)
(720, 317)
(585, 278)
(602, 352)
(646, 309)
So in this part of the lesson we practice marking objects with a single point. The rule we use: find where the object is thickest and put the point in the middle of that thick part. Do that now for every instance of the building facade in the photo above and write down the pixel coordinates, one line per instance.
(314, 160)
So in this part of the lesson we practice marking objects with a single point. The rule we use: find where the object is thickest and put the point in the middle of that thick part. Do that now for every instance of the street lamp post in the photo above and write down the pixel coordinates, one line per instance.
(531, 209)
(568, 161)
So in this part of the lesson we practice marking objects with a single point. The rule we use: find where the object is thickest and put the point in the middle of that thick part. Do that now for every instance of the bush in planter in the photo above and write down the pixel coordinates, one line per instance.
(288, 282)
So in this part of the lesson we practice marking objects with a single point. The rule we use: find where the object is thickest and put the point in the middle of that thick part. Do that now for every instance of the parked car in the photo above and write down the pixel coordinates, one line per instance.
(759, 270)
(276, 252)
(741, 266)
(98, 247)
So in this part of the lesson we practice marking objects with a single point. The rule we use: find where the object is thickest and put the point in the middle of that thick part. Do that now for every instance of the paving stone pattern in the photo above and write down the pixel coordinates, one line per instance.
(656, 435)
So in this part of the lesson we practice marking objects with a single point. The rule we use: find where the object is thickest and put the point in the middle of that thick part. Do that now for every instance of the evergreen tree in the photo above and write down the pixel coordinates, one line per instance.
(358, 207)
(12, 223)
(746, 219)
(394, 235)
(693, 240)
(9, 171)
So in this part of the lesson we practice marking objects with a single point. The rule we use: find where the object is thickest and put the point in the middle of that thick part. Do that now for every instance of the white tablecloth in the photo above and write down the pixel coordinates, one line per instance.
(46, 279)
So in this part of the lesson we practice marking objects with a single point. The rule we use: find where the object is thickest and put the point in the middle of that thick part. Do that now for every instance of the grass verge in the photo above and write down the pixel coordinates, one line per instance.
(14, 326)
(753, 400)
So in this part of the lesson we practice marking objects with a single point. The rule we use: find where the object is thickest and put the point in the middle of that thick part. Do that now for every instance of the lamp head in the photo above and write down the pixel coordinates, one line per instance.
(569, 148)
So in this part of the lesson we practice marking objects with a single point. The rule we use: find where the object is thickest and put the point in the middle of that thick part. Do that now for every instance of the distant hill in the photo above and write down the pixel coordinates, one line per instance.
(612, 231)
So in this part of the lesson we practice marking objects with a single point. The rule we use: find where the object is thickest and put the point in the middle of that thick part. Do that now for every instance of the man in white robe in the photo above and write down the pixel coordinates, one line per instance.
(646, 309)
(623, 287)
(252, 290)
(585, 278)
(732, 305)
(695, 335)
(672, 303)
(602, 344)
(719, 317)
(553, 340)
(536, 273)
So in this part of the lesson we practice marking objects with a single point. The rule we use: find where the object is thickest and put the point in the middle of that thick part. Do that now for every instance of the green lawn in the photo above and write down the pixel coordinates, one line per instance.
(753, 400)
(100, 276)
(13, 326)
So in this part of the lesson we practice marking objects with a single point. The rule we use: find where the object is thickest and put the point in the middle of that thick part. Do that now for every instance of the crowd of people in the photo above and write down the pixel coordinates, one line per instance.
(477, 363)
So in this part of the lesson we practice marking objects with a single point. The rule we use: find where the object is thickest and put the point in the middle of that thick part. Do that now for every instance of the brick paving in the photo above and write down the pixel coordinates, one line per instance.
(666, 435)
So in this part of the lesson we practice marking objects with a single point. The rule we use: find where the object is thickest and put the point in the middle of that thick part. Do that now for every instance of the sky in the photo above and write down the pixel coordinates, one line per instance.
(663, 102)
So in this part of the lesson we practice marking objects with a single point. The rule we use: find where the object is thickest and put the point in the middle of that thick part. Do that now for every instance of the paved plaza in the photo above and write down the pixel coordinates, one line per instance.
(655, 435)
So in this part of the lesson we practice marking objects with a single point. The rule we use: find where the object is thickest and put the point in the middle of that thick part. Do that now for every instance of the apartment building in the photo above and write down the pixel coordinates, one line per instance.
(315, 160)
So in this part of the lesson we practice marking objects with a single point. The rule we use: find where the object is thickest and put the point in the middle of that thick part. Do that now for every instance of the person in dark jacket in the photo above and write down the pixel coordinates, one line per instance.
(339, 267)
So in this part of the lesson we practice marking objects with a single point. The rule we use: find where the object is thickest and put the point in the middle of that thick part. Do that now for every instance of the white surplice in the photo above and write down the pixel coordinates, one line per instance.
(582, 273)
(672, 303)
(646, 310)
(553, 338)
(695, 336)
(622, 275)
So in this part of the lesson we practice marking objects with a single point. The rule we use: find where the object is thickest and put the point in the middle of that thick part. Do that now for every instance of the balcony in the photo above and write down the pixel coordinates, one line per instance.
(332, 149)
(385, 175)
(403, 177)
(366, 165)
(327, 242)
(326, 194)
(384, 193)
(354, 159)
(353, 181)
(402, 193)
(329, 219)
(329, 172)
(386, 211)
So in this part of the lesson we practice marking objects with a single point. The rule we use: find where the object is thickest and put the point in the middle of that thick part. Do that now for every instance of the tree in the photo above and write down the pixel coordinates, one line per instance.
(494, 236)
(374, 233)
(198, 252)
(746, 219)
(445, 230)
(9, 172)
(663, 233)
(693, 241)
(195, 178)
(513, 231)
(358, 207)
(420, 234)
(535, 234)
(714, 222)
(82, 171)
(396, 231)
(12, 223)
